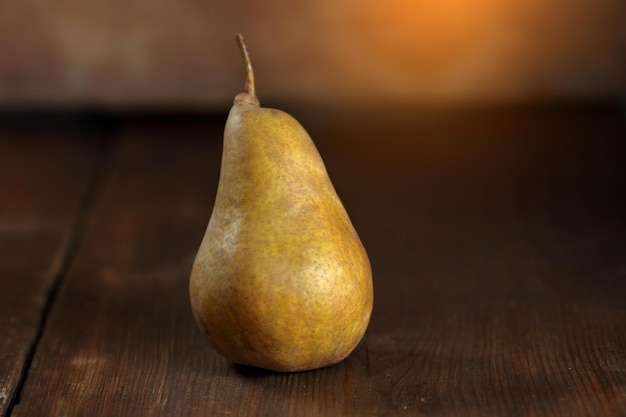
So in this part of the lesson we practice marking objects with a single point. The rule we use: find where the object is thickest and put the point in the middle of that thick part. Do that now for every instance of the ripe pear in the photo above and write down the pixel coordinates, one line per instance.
(281, 280)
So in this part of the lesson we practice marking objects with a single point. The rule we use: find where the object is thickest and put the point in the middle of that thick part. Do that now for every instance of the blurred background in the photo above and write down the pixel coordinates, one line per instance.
(324, 54)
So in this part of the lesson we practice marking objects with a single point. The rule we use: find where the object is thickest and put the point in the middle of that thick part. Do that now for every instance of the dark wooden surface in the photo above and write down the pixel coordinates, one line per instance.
(497, 241)
(44, 177)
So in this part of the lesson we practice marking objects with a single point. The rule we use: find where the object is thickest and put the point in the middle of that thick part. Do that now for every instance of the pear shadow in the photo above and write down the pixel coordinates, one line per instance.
(249, 372)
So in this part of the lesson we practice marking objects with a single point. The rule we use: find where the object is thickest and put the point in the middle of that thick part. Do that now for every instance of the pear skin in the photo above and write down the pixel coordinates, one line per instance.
(281, 280)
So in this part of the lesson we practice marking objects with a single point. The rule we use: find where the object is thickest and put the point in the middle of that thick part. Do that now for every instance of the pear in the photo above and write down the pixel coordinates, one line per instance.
(281, 280)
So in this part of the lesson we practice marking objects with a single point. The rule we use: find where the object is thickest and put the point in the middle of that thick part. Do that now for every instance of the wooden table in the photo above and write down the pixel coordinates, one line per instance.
(497, 240)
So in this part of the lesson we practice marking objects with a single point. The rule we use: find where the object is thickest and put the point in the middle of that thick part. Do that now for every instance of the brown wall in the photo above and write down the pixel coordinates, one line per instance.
(326, 52)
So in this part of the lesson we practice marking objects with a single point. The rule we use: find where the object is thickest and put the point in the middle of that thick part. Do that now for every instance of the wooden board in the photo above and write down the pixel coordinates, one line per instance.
(44, 175)
(498, 254)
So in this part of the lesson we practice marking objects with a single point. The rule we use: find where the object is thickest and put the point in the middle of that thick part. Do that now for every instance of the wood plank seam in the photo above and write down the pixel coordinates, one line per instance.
(65, 257)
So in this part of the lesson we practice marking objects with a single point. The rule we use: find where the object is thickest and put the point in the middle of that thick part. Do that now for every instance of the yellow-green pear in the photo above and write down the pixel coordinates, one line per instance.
(281, 280)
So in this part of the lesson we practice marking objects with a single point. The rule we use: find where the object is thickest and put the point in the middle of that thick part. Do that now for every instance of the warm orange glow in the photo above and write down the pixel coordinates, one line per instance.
(432, 35)
(405, 48)
(454, 49)
(326, 51)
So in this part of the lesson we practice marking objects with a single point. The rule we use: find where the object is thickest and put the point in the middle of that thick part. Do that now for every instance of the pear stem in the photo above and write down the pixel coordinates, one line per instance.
(250, 86)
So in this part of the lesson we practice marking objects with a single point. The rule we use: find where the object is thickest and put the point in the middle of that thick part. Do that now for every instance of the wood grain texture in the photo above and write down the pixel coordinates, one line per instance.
(43, 181)
(497, 245)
